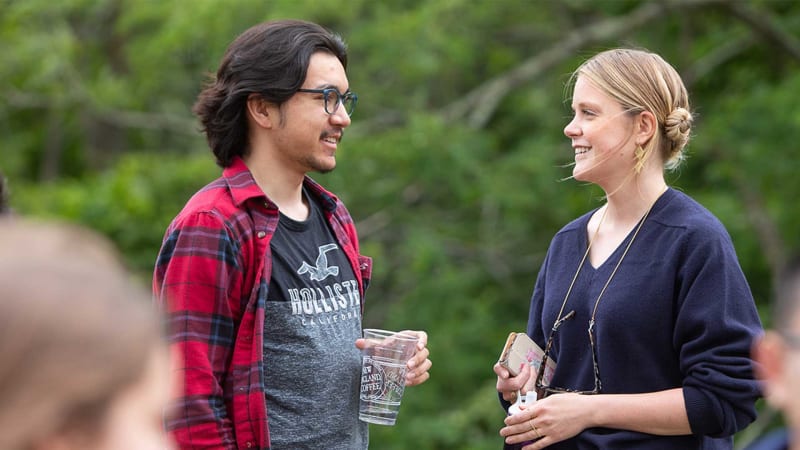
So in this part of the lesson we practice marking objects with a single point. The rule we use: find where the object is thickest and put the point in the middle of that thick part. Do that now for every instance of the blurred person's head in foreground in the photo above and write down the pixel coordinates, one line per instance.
(777, 353)
(81, 361)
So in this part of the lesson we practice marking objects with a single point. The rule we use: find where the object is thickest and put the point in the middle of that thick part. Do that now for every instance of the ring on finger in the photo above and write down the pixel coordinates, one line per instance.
(535, 430)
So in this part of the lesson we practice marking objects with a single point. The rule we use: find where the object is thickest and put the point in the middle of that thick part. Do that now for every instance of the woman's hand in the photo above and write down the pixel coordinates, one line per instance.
(509, 385)
(549, 420)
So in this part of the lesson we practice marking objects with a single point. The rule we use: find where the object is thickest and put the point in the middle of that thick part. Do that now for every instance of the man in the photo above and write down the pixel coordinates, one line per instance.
(777, 357)
(261, 274)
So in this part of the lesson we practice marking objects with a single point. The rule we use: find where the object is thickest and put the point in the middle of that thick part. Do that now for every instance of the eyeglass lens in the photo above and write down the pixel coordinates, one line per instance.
(333, 98)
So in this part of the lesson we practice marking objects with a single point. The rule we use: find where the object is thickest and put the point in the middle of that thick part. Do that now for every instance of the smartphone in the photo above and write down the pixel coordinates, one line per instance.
(520, 349)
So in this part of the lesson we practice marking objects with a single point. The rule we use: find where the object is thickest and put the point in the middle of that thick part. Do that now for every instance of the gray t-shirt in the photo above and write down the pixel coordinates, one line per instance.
(313, 317)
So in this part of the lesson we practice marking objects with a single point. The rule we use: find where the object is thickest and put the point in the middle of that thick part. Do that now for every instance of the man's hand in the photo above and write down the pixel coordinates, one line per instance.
(419, 364)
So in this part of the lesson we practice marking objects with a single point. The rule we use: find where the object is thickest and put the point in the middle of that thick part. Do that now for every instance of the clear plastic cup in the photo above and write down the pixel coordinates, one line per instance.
(383, 374)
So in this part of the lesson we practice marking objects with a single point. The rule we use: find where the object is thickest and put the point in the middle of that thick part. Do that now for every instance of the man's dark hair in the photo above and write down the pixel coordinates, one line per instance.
(270, 59)
(787, 298)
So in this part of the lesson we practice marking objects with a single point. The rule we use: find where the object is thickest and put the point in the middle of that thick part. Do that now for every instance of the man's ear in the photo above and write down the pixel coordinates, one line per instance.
(646, 126)
(260, 111)
(768, 360)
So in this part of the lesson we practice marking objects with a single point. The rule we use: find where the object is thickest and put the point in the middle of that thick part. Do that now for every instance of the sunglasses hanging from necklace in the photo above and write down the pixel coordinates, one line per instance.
(544, 390)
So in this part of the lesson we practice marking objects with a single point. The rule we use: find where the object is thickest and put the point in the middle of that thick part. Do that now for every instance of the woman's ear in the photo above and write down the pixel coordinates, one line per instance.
(768, 354)
(260, 111)
(646, 126)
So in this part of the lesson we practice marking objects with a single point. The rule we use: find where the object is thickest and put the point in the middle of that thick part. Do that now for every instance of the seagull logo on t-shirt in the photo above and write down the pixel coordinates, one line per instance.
(321, 270)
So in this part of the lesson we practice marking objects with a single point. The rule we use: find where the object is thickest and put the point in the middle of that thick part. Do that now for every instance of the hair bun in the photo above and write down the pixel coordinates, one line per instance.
(678, 126)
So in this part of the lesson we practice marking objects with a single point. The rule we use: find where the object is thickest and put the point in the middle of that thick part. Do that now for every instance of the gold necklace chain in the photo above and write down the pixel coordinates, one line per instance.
(613, 272)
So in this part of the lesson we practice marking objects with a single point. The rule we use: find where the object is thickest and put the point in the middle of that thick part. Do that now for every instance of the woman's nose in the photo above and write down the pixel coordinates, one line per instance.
(571, 129)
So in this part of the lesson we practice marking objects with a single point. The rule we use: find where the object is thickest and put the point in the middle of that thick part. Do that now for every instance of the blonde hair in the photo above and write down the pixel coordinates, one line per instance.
(642, 81)
(75, 331)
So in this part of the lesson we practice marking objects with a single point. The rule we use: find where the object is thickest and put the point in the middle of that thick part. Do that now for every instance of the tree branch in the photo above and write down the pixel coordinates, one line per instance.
(766, 26)
(121, 118)
(715, 58)
(480, 104)
(766, 230)
(148, 120)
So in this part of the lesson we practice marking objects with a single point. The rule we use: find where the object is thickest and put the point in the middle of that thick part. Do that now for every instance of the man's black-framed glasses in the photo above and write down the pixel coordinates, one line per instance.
(543, 390)
(332, 98)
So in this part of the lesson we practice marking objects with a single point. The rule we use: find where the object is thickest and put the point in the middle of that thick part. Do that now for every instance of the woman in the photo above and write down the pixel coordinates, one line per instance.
(82, 365)
(652, 275)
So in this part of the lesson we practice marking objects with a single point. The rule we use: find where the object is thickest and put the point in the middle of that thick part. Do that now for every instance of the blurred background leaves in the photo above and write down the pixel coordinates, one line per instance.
(455, 167)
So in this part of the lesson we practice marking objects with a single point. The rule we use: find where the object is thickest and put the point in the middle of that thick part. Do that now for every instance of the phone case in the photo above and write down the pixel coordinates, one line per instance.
(520, 349)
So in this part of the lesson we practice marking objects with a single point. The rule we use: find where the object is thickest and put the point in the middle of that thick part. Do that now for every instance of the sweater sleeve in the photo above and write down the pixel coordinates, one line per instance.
(535, 328)
(716, 321)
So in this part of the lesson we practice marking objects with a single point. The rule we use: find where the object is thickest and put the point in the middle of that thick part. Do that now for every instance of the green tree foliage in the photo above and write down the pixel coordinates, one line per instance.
(455, 168)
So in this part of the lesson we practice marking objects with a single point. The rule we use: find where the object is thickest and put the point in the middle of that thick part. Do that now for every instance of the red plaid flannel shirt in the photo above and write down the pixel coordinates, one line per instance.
(211, 280)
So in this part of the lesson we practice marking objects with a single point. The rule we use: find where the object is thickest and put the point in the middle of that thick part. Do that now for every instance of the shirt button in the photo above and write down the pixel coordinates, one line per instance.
(261, 234)
(249, 444)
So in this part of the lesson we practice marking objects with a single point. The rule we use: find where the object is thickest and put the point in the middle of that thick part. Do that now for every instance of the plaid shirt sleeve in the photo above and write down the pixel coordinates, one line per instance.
(197, 282)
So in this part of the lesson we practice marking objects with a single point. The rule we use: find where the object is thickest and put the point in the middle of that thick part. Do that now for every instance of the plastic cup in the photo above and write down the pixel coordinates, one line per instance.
(383, 374)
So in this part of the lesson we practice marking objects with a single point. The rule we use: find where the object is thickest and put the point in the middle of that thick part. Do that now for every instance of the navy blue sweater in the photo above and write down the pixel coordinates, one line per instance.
(677, 313)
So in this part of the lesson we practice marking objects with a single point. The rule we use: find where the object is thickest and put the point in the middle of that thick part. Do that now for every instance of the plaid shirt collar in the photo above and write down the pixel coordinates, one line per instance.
(243, 187)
